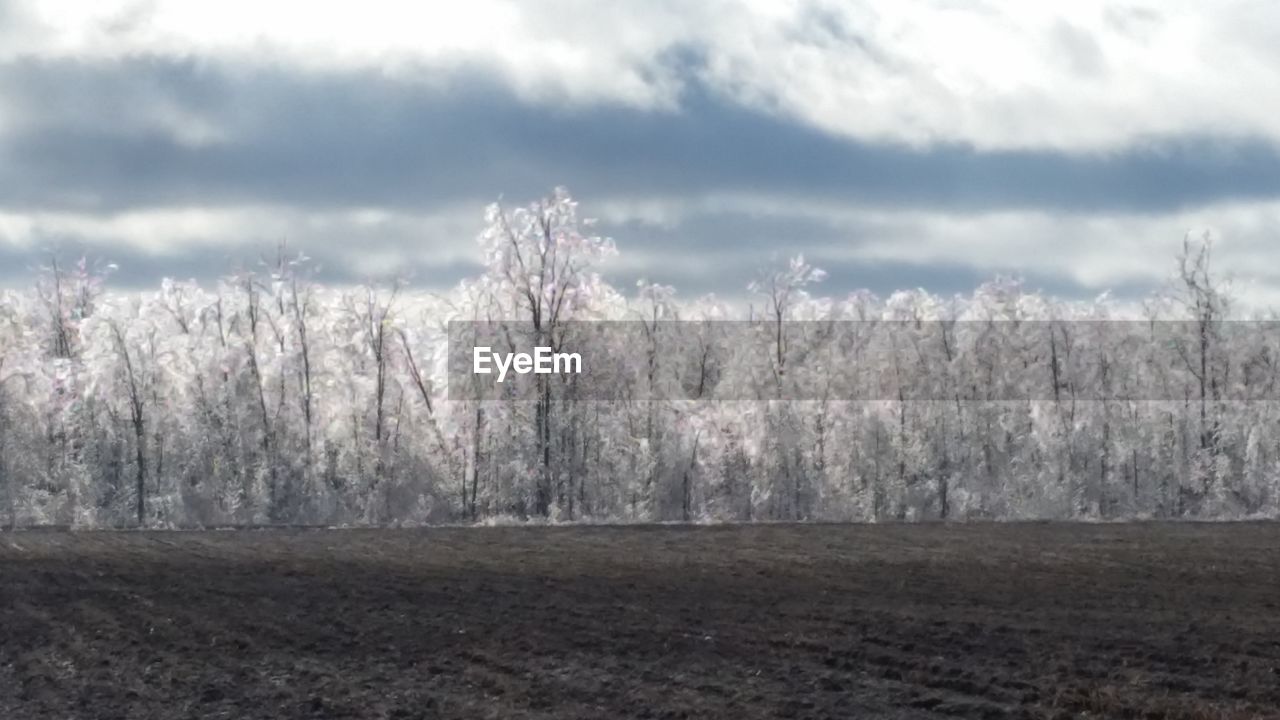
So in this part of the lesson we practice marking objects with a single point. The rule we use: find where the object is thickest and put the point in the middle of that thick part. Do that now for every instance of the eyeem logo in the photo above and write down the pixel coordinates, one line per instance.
(543, 361)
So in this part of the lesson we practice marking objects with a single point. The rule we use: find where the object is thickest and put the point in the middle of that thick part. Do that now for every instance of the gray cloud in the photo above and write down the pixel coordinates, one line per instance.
(103, 137)
(122, 134)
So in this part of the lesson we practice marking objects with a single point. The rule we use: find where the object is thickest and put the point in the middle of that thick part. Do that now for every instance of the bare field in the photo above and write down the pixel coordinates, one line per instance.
(775, 621)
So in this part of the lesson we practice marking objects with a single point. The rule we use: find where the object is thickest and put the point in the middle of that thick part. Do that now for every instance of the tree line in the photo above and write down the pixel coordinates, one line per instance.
(272, 398)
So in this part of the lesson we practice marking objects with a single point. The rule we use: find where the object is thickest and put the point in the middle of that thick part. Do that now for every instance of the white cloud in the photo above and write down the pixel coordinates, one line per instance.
(367, 241)
(542, 55)
(1094, 251)
(1098, 251)
(1009, 74)
(1085, 76)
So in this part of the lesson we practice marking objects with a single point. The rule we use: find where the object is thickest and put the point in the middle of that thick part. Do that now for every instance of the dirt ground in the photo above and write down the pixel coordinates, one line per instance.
(972, 621)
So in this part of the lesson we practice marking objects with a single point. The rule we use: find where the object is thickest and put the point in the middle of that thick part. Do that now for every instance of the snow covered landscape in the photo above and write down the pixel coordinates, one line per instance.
(271, 398)
(645, 359)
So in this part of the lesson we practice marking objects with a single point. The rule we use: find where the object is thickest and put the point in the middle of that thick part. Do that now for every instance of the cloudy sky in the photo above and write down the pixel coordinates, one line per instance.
(895, 144)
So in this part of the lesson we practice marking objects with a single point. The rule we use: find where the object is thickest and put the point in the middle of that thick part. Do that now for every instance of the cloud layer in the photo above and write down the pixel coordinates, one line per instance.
(918, 143)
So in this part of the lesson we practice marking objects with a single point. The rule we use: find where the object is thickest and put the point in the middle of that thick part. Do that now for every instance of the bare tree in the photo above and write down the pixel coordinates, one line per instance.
(136, 398)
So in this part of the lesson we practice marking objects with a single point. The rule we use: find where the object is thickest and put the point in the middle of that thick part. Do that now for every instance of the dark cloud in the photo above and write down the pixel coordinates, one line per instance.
(109, 135)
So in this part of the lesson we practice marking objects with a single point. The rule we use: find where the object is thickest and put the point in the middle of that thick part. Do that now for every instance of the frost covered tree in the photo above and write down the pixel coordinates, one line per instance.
(269, 397)
(541, 263)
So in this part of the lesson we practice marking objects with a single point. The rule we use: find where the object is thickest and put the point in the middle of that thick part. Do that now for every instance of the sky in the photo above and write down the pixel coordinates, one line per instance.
(904, 144)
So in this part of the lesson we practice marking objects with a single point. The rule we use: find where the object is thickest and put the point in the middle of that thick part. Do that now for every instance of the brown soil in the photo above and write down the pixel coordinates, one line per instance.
(973, 621)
